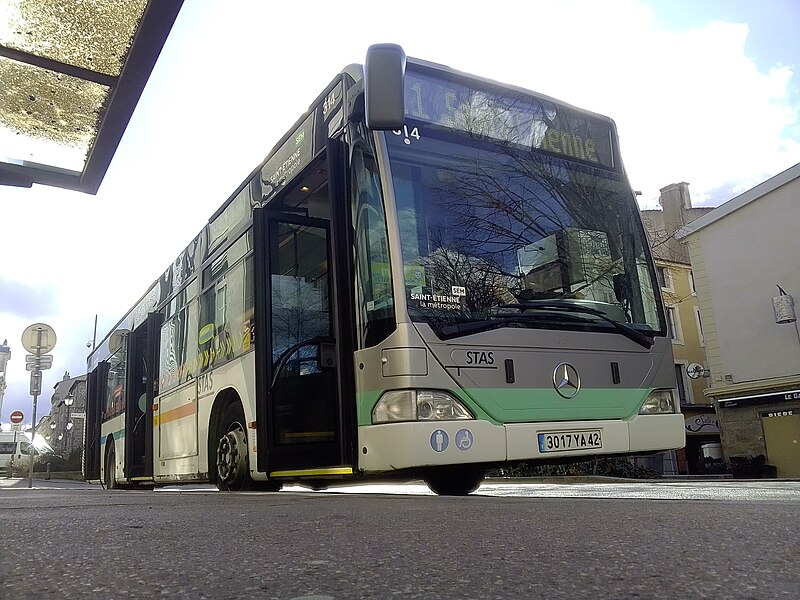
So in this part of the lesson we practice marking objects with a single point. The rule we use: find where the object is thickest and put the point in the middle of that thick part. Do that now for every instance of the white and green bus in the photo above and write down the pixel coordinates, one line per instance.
(431, 274)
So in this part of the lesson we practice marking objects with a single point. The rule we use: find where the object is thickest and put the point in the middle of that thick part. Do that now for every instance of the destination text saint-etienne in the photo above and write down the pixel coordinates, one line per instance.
(564, 142)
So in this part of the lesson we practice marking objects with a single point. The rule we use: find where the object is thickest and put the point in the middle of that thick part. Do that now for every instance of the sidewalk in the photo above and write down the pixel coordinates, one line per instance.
(39, 482)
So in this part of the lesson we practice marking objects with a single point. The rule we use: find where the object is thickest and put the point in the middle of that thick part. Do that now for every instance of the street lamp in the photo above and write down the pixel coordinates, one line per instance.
(69, 400)
(783, 306)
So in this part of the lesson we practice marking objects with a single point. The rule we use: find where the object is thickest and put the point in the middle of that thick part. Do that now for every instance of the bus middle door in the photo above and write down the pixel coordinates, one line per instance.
(142, 353)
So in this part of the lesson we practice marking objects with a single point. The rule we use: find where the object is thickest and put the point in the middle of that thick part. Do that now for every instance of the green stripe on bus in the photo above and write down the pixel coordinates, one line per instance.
(502, 405)
(117, 435)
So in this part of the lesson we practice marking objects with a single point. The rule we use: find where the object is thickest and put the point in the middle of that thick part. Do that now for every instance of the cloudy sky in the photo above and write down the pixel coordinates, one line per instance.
(703, 92)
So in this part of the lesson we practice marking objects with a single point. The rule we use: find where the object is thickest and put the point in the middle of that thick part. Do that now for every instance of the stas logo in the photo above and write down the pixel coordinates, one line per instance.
(205, 383)
(473, 358)
(479, 357)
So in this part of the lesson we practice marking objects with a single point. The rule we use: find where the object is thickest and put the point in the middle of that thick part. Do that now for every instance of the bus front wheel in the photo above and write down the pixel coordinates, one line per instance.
(456, 480)
(233, 467)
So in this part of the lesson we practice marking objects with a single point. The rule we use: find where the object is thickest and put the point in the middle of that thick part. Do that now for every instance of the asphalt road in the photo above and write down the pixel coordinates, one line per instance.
(672, 540)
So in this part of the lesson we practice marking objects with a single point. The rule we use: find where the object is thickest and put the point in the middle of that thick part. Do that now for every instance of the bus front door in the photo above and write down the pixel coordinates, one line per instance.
(303, 401)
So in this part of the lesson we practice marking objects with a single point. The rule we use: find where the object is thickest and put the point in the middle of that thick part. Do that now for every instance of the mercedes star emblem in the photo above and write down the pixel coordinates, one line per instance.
(566, 380)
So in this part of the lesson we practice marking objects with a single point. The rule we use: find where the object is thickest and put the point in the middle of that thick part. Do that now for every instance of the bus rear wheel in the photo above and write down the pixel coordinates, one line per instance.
(111, 469)
(454, 481)
(233, 467)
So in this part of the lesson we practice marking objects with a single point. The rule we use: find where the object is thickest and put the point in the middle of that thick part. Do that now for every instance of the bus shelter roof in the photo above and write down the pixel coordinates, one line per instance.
(72, 74)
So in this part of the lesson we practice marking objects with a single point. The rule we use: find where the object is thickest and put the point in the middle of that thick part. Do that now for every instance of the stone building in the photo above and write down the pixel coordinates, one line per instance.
(676, 280)
(662, 224)
(745, 255)
(64, 429)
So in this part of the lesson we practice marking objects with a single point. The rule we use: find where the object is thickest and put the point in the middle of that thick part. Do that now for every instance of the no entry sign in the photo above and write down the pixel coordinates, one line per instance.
(16, 417)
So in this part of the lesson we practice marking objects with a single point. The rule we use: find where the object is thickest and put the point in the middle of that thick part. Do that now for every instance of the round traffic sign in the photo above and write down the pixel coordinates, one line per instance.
(38, 338)
(16, 417)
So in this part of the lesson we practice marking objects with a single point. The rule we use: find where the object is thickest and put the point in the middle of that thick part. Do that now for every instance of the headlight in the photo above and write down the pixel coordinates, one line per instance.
(418, 405)
(658, 402)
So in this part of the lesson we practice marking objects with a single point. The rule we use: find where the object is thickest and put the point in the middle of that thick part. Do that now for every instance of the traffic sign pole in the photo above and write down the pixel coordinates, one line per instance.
(35, 390)
(39, 339)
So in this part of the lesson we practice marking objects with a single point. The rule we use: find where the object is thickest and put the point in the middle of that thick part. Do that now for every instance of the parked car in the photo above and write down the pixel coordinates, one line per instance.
(13, 448)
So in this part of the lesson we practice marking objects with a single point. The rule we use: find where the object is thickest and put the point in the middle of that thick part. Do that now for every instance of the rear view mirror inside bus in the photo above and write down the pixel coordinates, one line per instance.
(620, 287)
(384, 73)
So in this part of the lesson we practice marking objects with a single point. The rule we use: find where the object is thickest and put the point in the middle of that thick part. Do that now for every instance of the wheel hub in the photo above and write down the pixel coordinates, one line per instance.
(231, 456)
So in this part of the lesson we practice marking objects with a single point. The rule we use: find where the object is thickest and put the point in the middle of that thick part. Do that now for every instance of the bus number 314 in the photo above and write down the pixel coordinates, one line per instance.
(414, 133)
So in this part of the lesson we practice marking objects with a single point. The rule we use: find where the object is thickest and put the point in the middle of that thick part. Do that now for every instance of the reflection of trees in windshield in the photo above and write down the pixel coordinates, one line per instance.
(562, 226)
(448, 267)
(518, 226)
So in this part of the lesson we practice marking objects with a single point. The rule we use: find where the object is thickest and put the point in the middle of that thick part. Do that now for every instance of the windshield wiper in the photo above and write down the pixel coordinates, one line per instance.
(629, 332)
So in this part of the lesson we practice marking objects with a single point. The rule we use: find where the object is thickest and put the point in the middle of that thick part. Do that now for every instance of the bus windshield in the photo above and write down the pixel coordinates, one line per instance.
(490, 229)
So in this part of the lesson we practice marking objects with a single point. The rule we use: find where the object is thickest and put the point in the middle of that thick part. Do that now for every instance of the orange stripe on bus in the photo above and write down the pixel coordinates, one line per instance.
(177, 413)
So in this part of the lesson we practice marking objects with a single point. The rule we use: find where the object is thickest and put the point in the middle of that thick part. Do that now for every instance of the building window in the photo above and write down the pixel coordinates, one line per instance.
(674, 325)
(664, 278)
(680, 381)
(691, 283)
(699, 323)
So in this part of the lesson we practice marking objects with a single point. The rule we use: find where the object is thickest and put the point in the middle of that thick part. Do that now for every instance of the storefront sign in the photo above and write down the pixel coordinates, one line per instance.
(790, 395)
(780, 413)
(701, 424)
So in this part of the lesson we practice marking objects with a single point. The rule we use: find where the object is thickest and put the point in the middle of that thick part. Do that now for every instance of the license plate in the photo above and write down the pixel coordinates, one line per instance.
(564, 441)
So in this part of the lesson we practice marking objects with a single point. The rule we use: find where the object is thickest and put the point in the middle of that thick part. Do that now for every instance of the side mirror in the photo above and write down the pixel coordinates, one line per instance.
(384, 75)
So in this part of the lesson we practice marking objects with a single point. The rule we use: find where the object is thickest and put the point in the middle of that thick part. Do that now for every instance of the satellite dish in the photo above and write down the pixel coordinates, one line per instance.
(695, 371)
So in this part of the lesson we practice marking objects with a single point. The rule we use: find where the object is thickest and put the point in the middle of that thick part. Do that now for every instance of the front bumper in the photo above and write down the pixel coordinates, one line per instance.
(408, 445)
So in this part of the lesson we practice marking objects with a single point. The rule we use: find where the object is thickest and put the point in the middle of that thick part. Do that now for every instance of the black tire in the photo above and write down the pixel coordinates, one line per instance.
(315, 484)
(454, 481)
(111, 469)
(230, 457)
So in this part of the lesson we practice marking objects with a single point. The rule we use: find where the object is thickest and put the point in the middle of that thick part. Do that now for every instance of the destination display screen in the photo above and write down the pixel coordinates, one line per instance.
(509, 116)
(300, 148)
